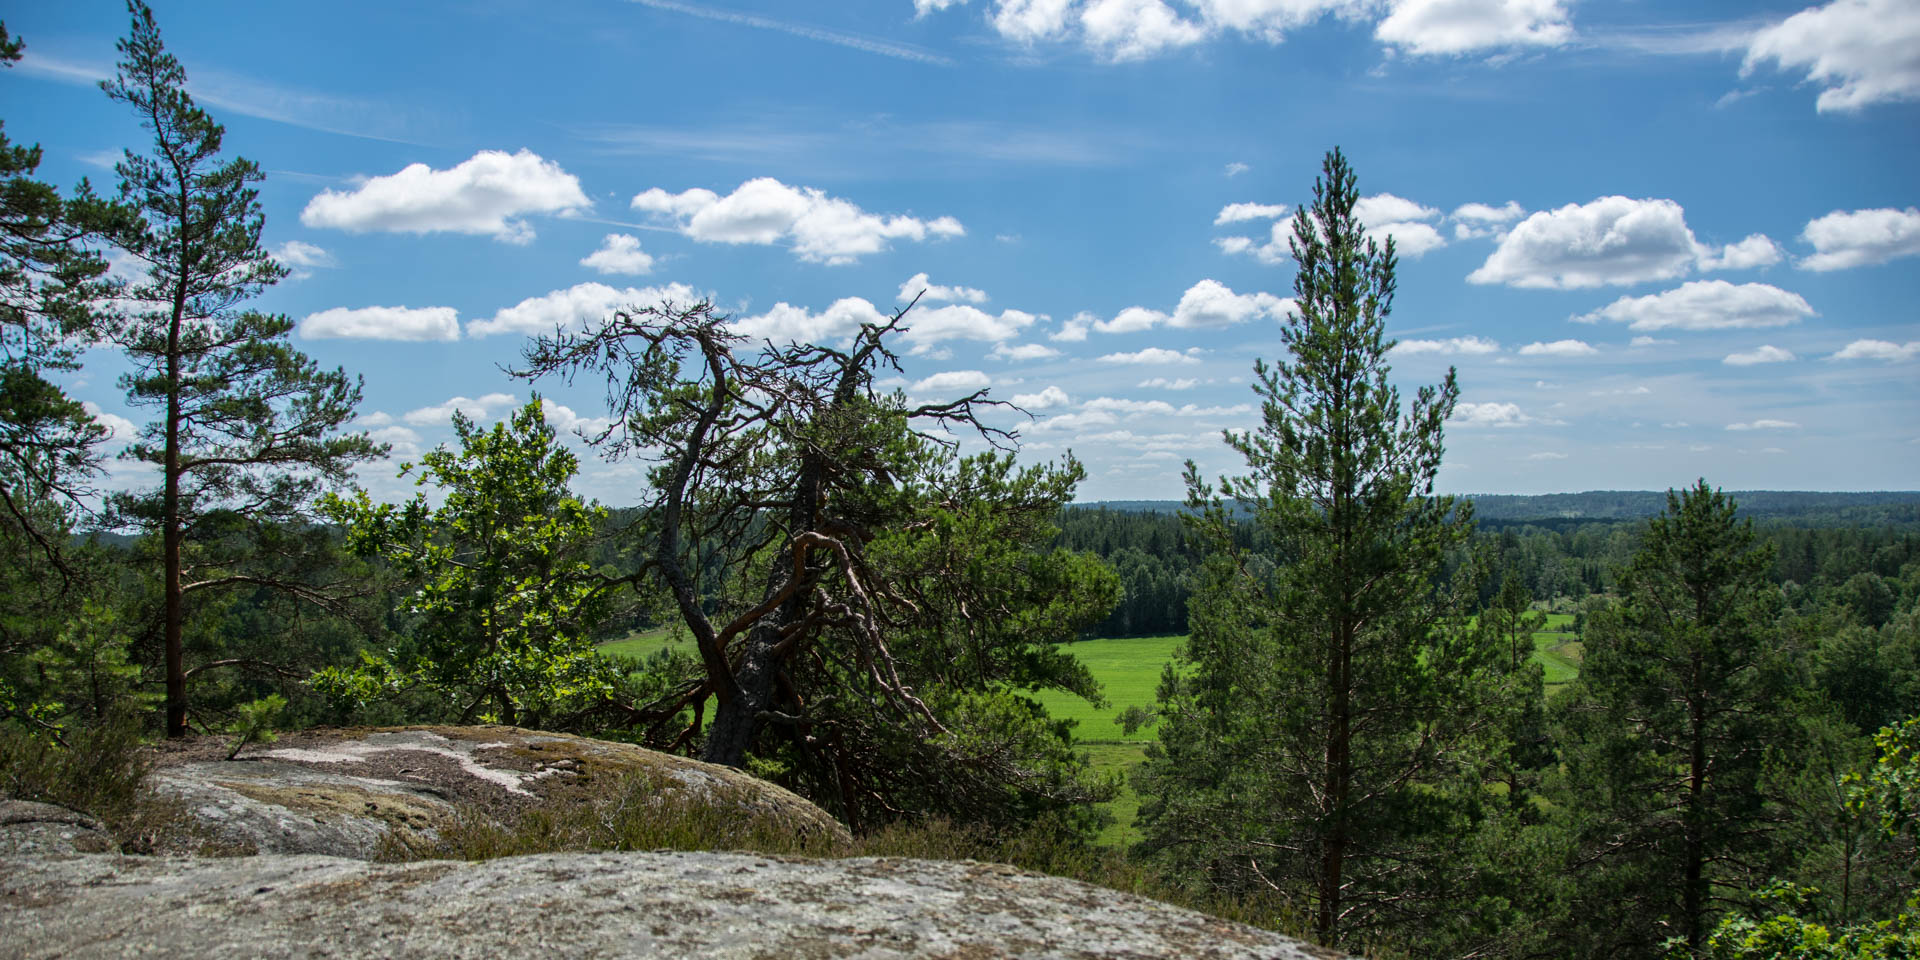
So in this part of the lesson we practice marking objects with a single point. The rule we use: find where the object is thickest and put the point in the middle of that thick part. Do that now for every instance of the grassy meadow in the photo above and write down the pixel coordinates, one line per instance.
(1128, 669)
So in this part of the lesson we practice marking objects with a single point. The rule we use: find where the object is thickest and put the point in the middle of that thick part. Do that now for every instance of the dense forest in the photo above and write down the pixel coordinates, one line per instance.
(1354, 742)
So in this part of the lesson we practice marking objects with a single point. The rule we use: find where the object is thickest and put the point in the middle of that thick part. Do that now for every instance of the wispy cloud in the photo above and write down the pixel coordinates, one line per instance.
(252, 97)
(853, 41)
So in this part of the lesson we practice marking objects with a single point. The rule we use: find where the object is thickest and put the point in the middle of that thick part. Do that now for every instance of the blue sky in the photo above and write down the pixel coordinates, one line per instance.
(1659, 241)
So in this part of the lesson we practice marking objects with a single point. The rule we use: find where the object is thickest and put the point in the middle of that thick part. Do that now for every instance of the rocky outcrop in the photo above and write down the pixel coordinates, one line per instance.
(28, 828)
(345, 792)
(663, 905)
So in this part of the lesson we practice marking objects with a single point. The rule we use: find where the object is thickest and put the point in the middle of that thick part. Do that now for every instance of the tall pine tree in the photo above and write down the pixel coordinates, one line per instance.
(1313, 727)
(246, 429)
(1685, 688)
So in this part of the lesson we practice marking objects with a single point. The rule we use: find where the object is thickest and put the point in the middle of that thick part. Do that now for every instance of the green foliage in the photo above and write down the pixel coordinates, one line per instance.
(256, 722)
(1684, 690)
(247, 427)
(1323, 732)
(99, 770)
(504, 600)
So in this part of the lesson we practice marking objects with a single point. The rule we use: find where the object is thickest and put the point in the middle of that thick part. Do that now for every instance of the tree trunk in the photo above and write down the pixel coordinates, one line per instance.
(1695, 904)
(1338, 757)
(171, 533)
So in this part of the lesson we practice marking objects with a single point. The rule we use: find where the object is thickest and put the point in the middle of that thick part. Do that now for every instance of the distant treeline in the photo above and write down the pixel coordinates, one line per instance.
(1561, 546)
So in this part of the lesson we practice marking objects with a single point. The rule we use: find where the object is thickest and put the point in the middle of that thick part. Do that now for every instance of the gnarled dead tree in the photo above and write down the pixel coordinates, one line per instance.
(784, 467)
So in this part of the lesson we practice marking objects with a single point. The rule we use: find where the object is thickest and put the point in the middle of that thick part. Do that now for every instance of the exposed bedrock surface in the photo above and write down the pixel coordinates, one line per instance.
(337, 792)
(694, 905)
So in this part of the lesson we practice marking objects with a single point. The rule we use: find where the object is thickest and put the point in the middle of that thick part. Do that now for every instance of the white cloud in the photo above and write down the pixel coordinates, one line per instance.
(1025, 351)
(1706, 305)
(1757, 250)
(1454, 345)
(1074, 330)
(483, 195)
(1154, 355)
(1386, 215)
(1764, 425)
(404, 443)
(563, 419)
(1238, 212)
(119, 428)
(619, 253)
(1490, 415)
(1861, 52)
(962, 322)
(302, 257)
(1764, 354)
(475, 409)
(1455, 27)
(1236, 168)
(1184, 383)
(414, 324)
(1028, 21)
(1482, 213)
(765, 211)
(919, 286)
(1879, 350)
(786, 323)
(1210, 304)
(1046, 399)
(1546, 455)
(1645, 341)
(1136, 29)
(923, 7)
(1861, 238)
(576, 306)
(953, 382)
(1612, 240)
(1131, 320)
(1387, 208)
(1559, 348)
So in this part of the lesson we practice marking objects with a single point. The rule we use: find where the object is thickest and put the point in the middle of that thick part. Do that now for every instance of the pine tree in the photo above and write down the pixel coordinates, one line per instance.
(247, 427)
(1684, 690)
(1329, 693)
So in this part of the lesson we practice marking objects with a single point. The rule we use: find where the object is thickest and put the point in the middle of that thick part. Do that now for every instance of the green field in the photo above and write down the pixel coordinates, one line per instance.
(1128, 669)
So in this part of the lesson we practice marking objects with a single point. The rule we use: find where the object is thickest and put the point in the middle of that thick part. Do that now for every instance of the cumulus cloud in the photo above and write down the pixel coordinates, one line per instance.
(401, 442)
(1861, 52)
(485, 195)
(302, 258)
(1025, 351)
(1646, 341)
(1238, 212)
(1860, 238)
(1706, 305)
(576, 306)
(953, 382)
(1074, 330)
(1154, 355)
(1492, 414)
(119, 428)
(1456, 27)
(1121, 30)
(1474, 220)
(1472, 346)
(1879, 350)
(1764, 354)
(619, 253)
(1612, 240)
(1208, 304)
(1046, 399)
(565, 420)
(1559, 348)
(924, 327)
(1183, 383)
(1764, 425)
(764, 211)
(1384, 214)
(415, 324)
(929, 292)
(476, 409)
(1757, 250)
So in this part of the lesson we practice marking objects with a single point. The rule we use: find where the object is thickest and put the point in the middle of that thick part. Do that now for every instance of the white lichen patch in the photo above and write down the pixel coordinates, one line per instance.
(416, 741)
